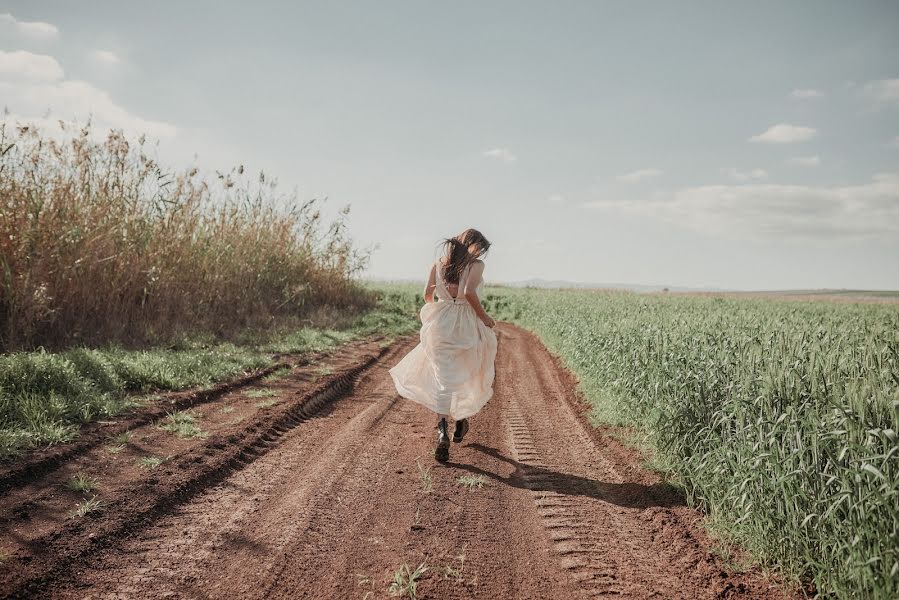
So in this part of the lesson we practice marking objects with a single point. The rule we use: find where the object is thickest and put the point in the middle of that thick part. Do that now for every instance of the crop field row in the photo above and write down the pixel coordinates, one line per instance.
(779, 418)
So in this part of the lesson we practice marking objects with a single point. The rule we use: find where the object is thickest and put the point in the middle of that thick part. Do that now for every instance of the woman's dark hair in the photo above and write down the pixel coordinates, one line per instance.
(460, 254)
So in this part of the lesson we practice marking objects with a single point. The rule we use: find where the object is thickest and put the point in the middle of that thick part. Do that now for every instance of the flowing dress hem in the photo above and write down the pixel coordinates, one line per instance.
(408, 394)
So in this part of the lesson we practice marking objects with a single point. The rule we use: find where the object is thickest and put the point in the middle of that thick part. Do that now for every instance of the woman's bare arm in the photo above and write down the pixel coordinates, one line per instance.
(475, 275)
(431, 285)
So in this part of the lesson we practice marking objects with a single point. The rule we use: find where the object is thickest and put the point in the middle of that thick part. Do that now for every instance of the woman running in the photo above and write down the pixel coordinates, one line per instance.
(451, 370)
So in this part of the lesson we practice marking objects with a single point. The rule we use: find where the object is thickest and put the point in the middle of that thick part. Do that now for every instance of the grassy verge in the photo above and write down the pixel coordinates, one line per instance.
(45, 396)
(780, 418)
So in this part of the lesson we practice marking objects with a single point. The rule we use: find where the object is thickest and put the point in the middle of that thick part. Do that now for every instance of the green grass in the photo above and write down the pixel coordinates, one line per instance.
(779, 418)
(121, 439)
(267, 403)
(117, 443)
(324, 371)
(45, 396)
(405, 581)
(472, 482)
(82, 483)
(150, 462)
(85, 507)
(260, 393)
(183, 424)
(277, 374)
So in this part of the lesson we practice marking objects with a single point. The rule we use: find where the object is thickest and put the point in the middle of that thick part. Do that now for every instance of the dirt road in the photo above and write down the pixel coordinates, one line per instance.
(327, 497)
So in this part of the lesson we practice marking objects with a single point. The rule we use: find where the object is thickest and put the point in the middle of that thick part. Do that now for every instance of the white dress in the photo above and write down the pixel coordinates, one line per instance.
(451, 370)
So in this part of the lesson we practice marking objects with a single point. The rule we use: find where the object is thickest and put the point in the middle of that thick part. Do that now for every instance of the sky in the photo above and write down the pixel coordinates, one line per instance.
(736, 145)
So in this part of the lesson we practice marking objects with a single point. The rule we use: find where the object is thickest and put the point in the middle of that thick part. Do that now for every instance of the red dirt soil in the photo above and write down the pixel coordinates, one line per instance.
(326, 493)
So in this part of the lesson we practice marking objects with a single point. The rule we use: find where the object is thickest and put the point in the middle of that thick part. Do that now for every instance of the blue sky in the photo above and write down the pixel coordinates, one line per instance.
(736, 145)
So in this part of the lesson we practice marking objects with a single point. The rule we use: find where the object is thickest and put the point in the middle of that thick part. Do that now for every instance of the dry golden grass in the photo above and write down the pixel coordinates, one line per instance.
(98, 243)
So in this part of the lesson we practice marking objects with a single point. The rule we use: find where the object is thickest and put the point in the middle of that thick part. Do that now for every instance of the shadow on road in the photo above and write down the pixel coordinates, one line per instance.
(630, 495)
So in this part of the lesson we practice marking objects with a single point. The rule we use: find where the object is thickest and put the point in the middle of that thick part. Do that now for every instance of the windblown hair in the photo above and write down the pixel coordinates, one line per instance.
(460, 254)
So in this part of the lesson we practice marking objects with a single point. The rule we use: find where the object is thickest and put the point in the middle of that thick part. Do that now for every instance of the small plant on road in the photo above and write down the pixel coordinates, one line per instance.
(267, 403)
(424, 475)
(260, 393)
(364, 581)
(405, 581)
(88, 506)
(227, 409)
(118, 442)
(452, 572)
(82, 483)
(183, 424)
(472, 482)
(122, 439)
(150, 462)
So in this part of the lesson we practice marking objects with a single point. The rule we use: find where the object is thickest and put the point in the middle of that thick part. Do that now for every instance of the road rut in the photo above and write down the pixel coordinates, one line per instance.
(342, 499)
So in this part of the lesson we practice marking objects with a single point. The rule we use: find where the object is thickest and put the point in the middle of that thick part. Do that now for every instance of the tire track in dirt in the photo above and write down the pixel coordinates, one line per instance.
(331, 513)
(618, 535)
(144, 502)
(42, 462)
(248, 523)
(336, 502)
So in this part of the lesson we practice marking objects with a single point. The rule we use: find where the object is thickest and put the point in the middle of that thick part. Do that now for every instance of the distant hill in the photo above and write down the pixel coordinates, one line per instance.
(634, 287)
(563, 284)
(823, 294)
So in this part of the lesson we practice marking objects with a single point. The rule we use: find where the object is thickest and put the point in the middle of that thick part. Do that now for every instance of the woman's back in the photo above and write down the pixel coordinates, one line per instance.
(451, 291)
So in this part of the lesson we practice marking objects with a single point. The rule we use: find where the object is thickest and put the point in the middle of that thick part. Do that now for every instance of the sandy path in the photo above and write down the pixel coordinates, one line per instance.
(342, 499)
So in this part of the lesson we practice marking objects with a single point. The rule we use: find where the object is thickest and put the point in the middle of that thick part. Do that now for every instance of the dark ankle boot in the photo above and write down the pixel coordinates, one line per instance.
(461, 430)
(441, 453)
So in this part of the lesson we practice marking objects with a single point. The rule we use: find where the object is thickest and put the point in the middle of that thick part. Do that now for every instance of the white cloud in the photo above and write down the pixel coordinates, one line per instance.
(805, 161)
(107, 56)
(25, 66)
(33, 84)
(745, 175)
(503, 154)
(883, 91)
(556, 199)
(783, 133)
(30, 28)
(895, 142)
(805, 94)
(765, 211)
(639, 175)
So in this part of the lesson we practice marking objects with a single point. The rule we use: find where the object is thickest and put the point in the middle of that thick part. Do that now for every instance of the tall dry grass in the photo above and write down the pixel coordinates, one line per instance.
(99, 243)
